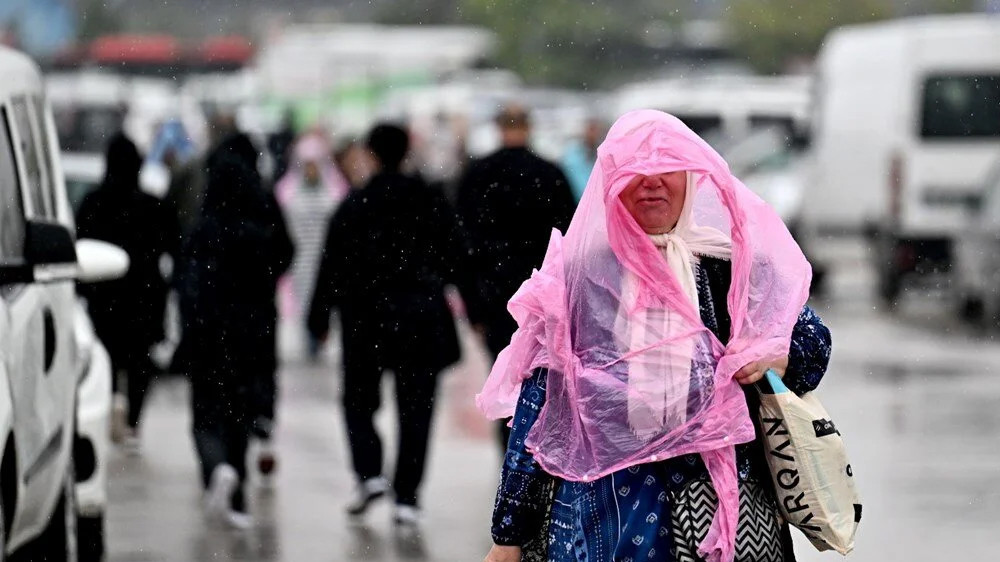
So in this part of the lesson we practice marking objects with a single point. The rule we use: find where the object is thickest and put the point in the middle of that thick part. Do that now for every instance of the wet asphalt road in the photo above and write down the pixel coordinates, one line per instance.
(915, 393)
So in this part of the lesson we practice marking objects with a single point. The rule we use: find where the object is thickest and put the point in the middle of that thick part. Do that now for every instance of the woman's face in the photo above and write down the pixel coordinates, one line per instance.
(655, 202)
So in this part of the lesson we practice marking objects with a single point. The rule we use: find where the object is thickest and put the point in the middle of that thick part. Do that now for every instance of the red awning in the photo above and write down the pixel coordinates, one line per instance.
(161, 49)
(231, 49)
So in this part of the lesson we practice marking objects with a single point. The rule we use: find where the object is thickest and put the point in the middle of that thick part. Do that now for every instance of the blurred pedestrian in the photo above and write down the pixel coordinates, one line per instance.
(509, 202)
(390, 250)
(185, 195)
(356, 162)
(281, 250)
(279, 144)
(230, 265)
(282, 253)
(221, 126)
(128, 313)
(579, 159)
(634, 342)
(308, 194)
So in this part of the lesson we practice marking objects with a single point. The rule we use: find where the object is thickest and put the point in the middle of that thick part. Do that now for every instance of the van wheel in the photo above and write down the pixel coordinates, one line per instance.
(973, 310)
(90, 538)
(890, 285)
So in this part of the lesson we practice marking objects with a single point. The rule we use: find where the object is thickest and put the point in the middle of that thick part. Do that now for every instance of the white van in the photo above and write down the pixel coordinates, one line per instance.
(905, 127)
(41, 363)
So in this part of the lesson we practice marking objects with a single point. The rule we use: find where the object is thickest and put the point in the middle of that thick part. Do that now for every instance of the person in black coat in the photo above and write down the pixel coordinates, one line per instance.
(509, 202)
(263, 396)
(128, 313)
(390, 250)
(227, 296)
(280, 144)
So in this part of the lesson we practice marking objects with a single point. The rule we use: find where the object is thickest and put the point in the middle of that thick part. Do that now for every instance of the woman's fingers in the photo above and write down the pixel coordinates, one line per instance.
(750, 373)
(749, 370)
(751, 378)
(754, 371)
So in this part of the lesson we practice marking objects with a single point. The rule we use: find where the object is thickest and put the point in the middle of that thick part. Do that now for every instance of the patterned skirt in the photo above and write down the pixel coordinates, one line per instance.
(758, 535)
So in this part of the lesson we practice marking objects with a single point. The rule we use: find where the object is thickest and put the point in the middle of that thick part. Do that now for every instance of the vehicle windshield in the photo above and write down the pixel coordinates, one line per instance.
(962, 106)
(85, 129)
(700, 123)
(763, 149)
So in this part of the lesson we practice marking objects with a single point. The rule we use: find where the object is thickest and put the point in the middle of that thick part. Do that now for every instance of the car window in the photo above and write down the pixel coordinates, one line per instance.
(85, 129)
(48, 153)
(700, 123)
(961, 106)
(11, 216)
(785, 124)
(32, 159)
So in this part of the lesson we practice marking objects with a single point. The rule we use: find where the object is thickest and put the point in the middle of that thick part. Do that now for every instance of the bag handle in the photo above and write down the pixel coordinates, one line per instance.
(771, 383)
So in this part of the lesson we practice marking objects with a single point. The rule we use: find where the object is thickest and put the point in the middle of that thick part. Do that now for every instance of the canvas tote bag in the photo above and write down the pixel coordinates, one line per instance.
(813, 478)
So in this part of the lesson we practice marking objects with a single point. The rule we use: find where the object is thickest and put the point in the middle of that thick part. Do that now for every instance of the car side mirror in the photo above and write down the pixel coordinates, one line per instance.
(49, 244)
(49, 255)
(100, 261)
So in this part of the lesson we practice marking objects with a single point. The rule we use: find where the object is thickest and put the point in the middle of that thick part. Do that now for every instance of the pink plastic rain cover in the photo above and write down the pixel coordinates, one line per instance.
(311, 148)
(587, 315)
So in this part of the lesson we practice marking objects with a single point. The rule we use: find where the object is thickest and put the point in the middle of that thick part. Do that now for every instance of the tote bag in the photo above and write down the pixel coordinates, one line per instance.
(813, 479)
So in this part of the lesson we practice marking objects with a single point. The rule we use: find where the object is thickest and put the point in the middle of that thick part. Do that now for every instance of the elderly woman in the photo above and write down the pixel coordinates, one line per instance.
(630, 376)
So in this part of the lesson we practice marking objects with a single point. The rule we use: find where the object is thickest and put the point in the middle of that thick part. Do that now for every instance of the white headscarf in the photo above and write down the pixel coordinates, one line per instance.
(665, 372)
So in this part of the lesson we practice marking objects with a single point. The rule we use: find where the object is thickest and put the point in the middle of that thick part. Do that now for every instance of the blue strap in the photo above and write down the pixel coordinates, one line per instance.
(775, 381)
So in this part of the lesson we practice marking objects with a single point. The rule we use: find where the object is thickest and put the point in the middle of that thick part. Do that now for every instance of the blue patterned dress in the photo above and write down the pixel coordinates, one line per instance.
(626, 516)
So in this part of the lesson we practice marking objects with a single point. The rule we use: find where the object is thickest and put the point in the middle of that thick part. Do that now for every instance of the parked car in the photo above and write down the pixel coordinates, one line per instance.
(93, 437)
(906, 125)
(42, 364)
(977, 257)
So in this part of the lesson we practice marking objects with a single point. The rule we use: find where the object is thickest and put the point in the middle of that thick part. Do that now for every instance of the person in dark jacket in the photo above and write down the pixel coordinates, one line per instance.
(280, 143)
(128, 313)
(264, 389)
(227, 294)
(509, 202)
(390, 250)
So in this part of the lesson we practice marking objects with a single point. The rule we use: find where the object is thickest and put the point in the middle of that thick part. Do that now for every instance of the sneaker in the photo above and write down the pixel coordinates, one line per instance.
(368, 491)
(220, 490)
(239, 520)
(266, 460)
(407, 516)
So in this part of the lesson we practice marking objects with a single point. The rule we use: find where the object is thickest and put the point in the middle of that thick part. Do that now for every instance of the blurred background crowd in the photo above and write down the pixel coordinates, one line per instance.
(750, 77)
